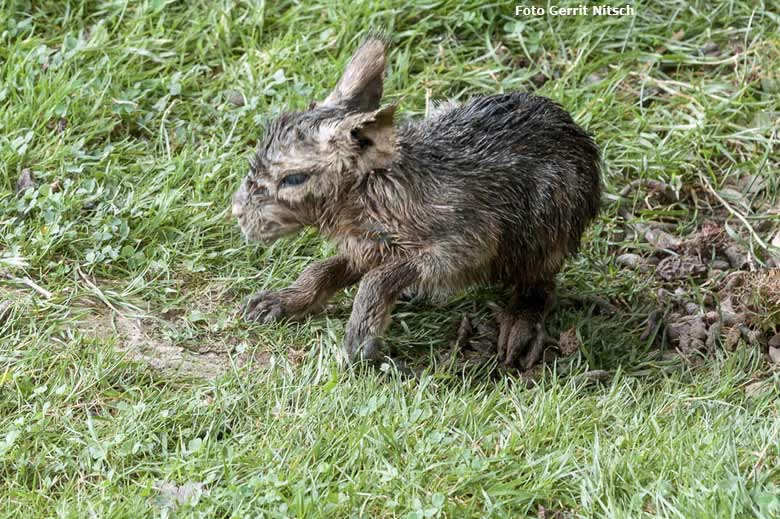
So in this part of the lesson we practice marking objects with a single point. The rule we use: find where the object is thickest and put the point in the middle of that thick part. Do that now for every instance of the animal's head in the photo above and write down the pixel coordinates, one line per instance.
(309, 161)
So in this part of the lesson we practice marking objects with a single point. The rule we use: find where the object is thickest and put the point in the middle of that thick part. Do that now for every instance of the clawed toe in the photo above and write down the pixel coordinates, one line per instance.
(357, 348)
(522, 340)
(264, 307)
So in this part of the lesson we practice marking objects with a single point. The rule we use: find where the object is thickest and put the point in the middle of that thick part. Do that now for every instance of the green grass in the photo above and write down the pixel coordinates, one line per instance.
(129, 107)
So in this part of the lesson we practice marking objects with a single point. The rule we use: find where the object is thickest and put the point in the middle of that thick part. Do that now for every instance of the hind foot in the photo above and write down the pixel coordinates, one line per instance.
(521, 339)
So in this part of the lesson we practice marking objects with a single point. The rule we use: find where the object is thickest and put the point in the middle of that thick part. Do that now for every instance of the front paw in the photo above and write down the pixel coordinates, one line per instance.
(359, 347)
(266, 307)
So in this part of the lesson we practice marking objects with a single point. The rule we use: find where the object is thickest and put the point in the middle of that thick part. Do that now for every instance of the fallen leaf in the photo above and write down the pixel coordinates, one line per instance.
(776, 244)
(679, 267)
(753, 184)
(733, 195)
(654, 320)
(59, 125)
(237, 99)
(662, 240)
(25, 180)
(172, 495)
(733, 335)
(296, 357)
(710, 49)
(736, 257)
(593, 79)
(568, 342)
(756, 389)
(5, 311)
(538, 80)
(629, 260)
(595, 375)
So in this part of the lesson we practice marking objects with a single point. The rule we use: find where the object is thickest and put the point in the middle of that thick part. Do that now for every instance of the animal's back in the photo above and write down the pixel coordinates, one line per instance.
(515, 166)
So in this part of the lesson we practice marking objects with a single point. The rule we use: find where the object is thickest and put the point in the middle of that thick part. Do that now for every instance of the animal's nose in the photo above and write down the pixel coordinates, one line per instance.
(236, 210)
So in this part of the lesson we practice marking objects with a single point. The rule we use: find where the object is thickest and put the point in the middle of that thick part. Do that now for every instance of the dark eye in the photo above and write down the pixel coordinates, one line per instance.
(296, 179)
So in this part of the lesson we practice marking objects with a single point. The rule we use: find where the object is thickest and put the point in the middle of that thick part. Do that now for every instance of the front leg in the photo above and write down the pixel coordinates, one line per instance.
(375, 299)
(316, 284)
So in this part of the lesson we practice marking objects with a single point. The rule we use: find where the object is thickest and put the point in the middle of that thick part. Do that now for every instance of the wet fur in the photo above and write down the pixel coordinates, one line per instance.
(497, 191)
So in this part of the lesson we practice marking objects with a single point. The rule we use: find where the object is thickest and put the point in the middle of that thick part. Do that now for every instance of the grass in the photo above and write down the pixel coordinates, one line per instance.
(137, 119)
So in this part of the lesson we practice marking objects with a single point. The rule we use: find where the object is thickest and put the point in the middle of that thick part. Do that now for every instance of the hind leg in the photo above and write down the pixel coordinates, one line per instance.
(521, 334)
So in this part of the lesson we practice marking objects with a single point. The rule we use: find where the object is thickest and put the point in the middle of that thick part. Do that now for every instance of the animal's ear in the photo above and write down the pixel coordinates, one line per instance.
(360, 87)
(373, 135)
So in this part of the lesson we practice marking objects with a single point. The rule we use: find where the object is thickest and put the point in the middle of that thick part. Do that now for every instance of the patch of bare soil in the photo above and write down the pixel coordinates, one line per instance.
(152, 341)
(198, 343)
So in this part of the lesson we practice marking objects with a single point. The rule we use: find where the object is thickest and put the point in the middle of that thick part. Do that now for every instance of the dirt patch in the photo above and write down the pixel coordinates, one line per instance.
(153, 341)
(194, 339)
